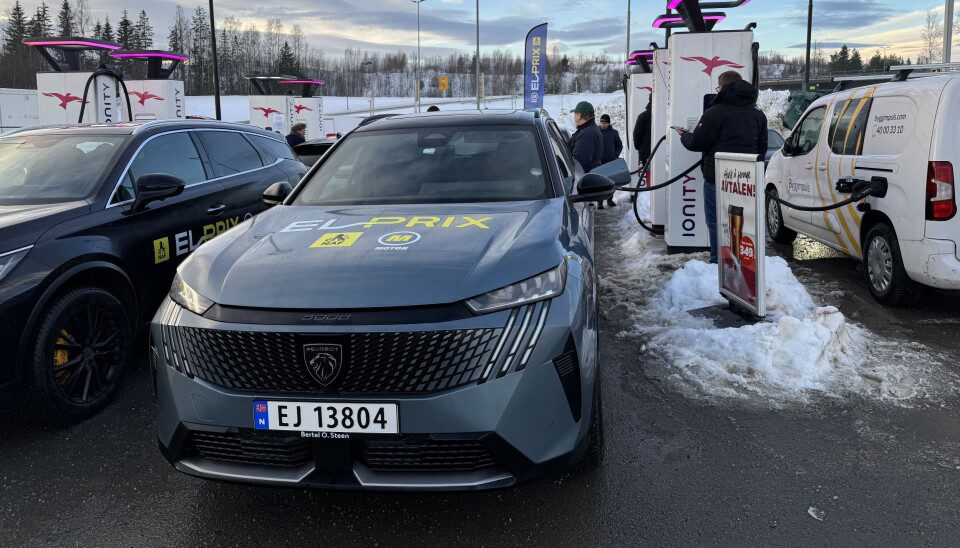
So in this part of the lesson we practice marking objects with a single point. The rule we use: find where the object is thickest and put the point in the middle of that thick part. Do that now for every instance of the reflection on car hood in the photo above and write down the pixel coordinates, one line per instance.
(22, 225)
(350, 257)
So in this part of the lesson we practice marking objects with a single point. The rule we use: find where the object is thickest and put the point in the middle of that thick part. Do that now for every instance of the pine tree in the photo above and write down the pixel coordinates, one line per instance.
(143, 32)
(287, 61)
(40, 24)
(98, 30)
(856, 62)
(125, 32)
(65, 19)
(107, 32)
(199, 52)
(15, 30)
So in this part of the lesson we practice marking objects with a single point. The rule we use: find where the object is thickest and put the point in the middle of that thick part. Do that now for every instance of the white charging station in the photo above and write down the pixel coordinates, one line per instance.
(697, 59)
(157, 97)
(659, 128)
(60, 91)
(639, 87)
(275, 107)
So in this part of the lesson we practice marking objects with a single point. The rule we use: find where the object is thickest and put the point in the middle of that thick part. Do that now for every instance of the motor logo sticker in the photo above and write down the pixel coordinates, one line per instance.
(337, 239)
(399, 239)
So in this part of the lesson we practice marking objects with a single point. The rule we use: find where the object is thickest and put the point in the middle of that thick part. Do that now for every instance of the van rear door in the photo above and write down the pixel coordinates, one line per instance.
(945, 152)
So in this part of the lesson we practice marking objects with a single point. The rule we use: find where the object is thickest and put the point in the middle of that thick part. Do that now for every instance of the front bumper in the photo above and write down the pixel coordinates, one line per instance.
(454, 435)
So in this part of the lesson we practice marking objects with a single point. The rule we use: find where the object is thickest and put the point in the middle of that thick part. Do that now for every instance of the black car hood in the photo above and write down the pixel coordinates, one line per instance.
(22, 225)
(353, 257)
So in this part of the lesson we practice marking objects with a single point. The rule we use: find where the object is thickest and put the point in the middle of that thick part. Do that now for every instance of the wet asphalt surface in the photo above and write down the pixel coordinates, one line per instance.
(676, 472)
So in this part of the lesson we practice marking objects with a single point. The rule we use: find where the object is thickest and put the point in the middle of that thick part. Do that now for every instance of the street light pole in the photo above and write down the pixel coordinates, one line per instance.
(947, 30)
(478, 55)
(216, 66)
(806, 73)
(417, 71)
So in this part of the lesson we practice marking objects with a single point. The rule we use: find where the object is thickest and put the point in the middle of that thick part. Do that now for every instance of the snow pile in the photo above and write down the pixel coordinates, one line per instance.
(801, 351)
(774, 104)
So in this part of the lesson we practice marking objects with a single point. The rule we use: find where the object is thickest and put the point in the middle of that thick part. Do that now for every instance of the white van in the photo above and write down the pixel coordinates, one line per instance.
(904, 130)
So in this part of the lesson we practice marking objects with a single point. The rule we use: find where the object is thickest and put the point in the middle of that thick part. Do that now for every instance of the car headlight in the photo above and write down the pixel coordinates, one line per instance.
(9, 260)
(538, 288)
(187, 297)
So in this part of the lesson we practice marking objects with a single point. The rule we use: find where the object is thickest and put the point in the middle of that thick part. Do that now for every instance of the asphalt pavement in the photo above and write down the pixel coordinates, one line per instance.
(677, 471)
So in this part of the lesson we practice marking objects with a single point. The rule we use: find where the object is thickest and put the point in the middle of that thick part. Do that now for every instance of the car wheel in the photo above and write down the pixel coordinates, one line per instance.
(84, 343)
(883, 268)
(775, 227)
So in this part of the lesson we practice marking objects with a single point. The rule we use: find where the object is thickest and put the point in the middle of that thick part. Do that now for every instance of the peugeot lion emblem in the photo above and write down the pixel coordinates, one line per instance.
(323, 362)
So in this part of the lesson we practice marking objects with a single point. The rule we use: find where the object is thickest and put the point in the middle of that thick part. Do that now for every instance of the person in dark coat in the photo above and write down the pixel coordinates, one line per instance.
(732, 124)
(586, 143)
(612, 146)
(642, 133)
(297, 134)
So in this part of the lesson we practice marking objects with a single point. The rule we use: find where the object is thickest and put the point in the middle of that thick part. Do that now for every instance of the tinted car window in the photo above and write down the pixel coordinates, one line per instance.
(173, 154)
(431, 165)
(272, 149)
(50, 168)
(849, 125)
(230, 151)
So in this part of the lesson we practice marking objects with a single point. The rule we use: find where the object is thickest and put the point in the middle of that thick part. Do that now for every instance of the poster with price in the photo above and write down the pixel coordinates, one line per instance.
(741, 226)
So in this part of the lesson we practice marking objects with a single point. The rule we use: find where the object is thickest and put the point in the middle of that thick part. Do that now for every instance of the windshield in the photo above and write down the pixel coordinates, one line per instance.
(431, 165)
(53, 168)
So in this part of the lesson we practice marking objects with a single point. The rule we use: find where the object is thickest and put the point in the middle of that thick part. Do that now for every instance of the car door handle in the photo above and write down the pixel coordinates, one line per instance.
(822, 167)
(808, 166)
(217, 209)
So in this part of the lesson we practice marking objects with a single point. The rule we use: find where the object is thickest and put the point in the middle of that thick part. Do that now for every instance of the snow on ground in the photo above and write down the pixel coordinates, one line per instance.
(774, 104)
(801, 351)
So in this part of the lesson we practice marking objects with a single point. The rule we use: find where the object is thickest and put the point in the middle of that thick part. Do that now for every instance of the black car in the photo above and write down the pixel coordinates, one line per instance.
(774, 143)
(94, 220)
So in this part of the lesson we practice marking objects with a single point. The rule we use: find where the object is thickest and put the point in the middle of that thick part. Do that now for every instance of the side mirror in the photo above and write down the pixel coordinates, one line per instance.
(594, 187)
(787, 147)
(277, 193)
(153, 187)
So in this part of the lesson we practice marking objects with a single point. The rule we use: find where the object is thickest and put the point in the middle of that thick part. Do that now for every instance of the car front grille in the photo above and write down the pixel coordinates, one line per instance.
(258, 449)
(407, 455)
(391, 362)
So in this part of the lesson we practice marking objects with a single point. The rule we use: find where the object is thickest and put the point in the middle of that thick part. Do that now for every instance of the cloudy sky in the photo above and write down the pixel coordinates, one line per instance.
(594, 25)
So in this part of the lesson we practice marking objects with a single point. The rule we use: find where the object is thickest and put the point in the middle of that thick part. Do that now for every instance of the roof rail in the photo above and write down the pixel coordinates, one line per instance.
(373, 118)
(154, 123)
(903, 71)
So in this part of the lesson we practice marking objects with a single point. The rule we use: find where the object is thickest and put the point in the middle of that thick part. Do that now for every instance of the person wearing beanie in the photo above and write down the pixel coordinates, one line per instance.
(612, 145)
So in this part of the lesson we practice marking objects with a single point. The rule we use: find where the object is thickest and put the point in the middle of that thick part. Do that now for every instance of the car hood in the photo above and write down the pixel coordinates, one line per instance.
(22, 225)
(352, 257)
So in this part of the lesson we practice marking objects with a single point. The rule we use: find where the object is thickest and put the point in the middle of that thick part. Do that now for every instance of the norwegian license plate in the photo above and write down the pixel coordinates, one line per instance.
(329, 417)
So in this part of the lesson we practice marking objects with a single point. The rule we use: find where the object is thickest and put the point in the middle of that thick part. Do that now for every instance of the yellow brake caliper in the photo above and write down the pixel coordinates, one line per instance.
(61, 355)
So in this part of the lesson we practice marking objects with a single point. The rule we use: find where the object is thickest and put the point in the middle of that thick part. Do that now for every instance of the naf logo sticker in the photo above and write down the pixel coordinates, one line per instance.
(161, 250)
(337, 239)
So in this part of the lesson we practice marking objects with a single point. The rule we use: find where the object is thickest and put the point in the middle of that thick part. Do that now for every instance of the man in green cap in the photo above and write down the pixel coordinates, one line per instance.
(586, 144)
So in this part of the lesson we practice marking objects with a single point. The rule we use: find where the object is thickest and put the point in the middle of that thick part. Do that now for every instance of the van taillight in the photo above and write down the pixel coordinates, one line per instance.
(941, 204)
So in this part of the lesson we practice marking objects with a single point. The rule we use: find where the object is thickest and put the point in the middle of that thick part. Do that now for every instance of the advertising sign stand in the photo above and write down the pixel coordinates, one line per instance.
(741, 231)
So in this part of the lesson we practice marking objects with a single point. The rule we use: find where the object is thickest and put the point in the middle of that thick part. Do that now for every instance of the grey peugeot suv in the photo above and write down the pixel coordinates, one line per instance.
(419, 313)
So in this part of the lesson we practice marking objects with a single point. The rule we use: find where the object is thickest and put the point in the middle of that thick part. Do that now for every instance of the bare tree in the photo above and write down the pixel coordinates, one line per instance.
(81, 17)
(931, 38)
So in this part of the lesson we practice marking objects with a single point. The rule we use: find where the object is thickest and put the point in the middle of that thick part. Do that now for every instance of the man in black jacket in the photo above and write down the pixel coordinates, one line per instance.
(732, 124)
(612, 145)
(642, 135)
(586, 144)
